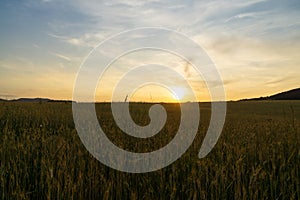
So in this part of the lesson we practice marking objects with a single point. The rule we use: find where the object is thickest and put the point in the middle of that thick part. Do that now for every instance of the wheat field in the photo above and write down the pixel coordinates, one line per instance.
(256, 157)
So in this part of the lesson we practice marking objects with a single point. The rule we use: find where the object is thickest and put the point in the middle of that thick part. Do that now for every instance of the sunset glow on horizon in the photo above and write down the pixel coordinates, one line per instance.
(254, 45)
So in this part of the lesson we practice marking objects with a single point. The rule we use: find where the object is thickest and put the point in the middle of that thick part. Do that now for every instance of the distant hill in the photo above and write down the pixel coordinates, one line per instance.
(32, 100)
(287, 95)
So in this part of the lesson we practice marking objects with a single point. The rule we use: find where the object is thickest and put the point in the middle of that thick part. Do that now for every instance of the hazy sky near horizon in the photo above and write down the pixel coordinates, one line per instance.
(255, 44)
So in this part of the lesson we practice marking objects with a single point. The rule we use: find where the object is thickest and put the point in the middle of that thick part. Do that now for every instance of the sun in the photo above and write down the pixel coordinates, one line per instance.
(178, 93)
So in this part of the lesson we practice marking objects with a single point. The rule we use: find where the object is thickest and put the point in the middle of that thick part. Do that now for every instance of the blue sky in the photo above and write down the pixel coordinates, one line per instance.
(254, 44)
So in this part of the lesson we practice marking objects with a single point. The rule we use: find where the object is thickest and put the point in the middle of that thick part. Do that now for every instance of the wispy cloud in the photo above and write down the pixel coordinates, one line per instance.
(61, 56)
(85, 40)
(244, 15)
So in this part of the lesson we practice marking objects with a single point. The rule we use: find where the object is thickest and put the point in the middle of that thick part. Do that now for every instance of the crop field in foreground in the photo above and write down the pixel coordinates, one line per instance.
(256, 157)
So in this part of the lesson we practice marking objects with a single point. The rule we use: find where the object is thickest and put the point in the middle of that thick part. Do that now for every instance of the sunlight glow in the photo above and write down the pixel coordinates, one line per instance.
(179, 93)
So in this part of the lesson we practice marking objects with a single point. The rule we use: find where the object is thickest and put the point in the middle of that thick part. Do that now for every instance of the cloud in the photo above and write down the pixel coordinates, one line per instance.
(277, 81)
(243, 16)
(7, 96)
(130, 3)
(193, 18)
(85, 40)
(61, 56)
(6, 66)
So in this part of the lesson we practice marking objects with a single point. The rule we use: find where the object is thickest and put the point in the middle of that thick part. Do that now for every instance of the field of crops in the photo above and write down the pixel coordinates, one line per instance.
(256, 157)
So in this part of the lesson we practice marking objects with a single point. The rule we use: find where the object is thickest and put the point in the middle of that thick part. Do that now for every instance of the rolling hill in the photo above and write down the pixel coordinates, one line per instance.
(287, 95)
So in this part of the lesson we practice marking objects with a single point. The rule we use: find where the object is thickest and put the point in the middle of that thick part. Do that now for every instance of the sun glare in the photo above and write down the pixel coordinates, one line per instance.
(178, 93)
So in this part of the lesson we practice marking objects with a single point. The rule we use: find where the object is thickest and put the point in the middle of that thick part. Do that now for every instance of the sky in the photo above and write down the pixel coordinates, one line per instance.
(254, 45)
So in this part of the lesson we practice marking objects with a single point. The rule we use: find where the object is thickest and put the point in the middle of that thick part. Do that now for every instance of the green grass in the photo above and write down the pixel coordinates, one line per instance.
(256, 157)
